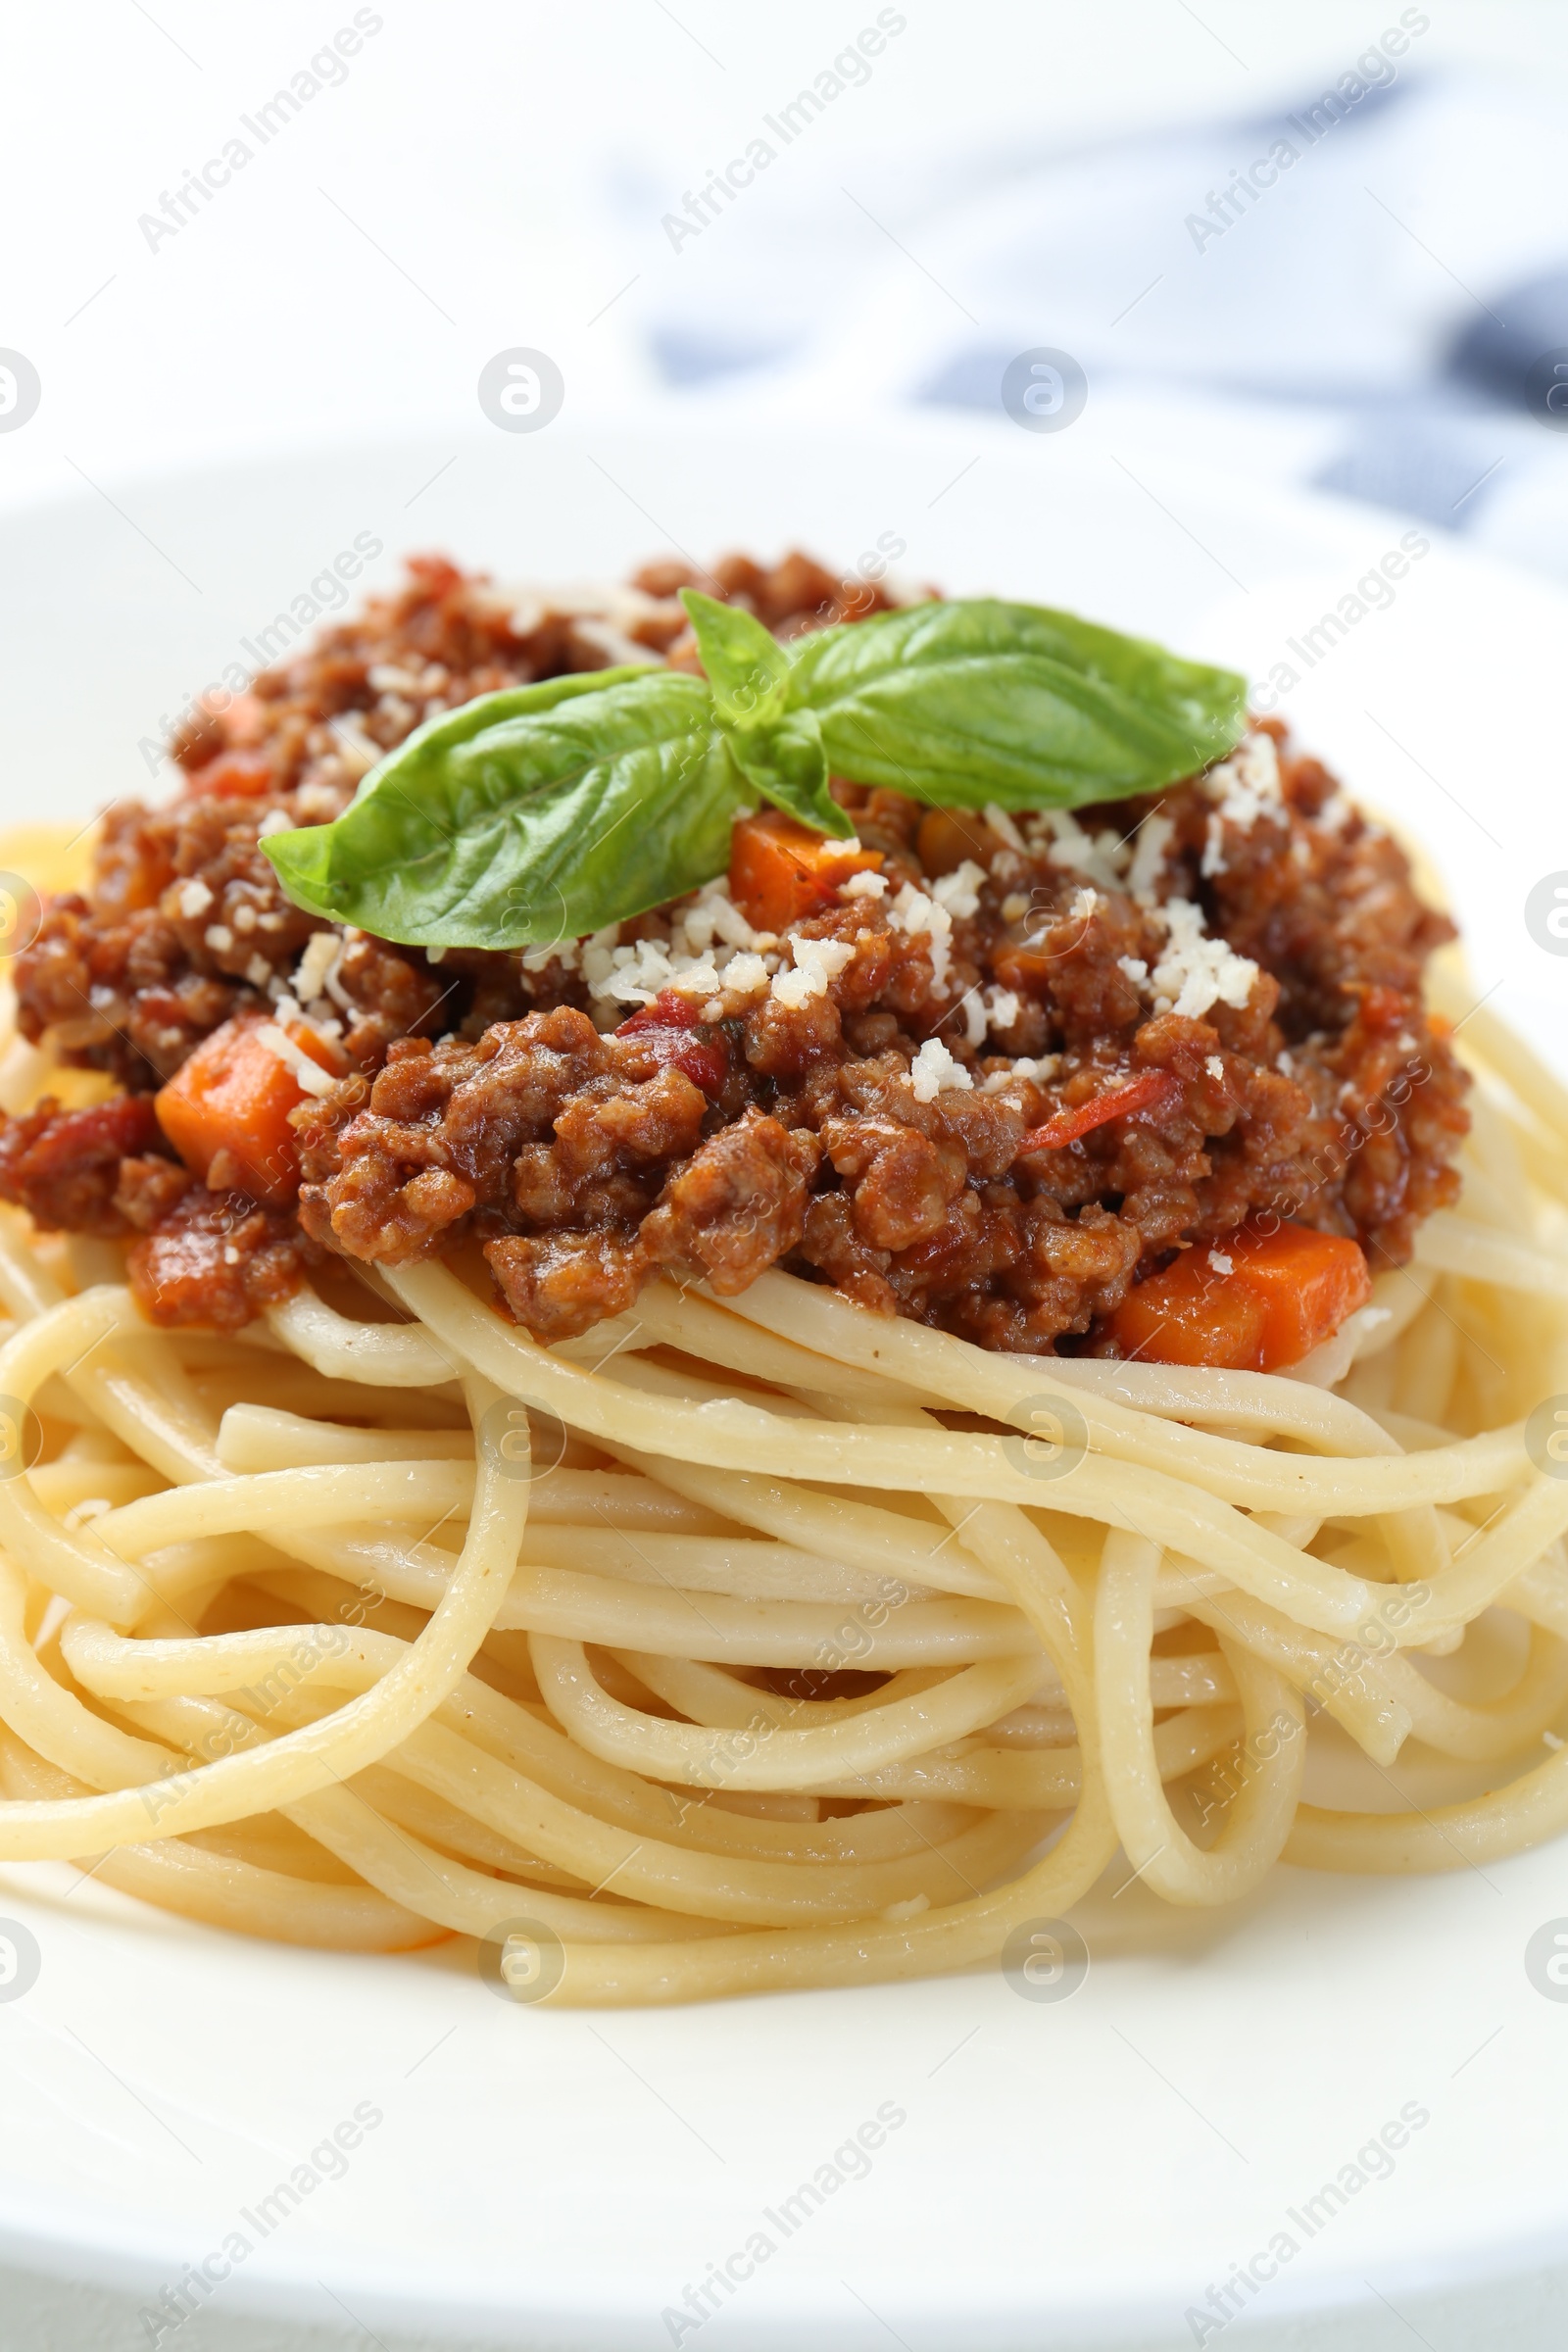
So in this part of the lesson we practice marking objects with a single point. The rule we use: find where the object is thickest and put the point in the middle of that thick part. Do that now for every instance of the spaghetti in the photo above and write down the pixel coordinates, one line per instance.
(762, 1643)
(640, 1448)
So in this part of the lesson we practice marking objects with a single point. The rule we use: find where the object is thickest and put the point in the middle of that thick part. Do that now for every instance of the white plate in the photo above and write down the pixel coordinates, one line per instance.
(1069, 2173)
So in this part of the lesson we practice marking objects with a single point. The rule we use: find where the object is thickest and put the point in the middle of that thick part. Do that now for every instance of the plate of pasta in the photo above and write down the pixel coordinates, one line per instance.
(782, 1359)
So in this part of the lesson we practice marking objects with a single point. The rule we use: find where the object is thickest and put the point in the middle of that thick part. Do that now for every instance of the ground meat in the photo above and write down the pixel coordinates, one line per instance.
(737, 1206)
(926, 1129)
(217, 1260)
(458, 1112)
(560, 1285)
(64, 1166)
(186, 924)
(900, 1183)
(812, 1142)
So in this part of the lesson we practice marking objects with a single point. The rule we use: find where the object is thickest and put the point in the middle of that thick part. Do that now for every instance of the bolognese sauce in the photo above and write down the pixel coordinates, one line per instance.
(997, 1073)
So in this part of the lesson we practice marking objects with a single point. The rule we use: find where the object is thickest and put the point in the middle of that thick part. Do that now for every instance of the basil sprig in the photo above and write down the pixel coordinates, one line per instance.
(533, 816)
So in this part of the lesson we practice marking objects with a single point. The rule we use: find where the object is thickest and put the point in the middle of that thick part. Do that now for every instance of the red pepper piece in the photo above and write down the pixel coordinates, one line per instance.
(1153, 1089)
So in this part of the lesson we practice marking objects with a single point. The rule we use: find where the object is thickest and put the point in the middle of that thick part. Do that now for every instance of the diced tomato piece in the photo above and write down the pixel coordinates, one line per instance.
(245, 722)
(1274, 1297)
(780, 871)
(672, 1029)
(705, 1060)
(233, 1096)
(233, 777)
(669, 1010)
(1152, 1090)
(437, 575)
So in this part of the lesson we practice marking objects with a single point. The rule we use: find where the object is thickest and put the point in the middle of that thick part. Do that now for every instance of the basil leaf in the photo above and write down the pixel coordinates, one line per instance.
(747, 668)
(529, 816)
(779, 753)
(788, 764)
(451, 728)
(983, 701)
(545, 812)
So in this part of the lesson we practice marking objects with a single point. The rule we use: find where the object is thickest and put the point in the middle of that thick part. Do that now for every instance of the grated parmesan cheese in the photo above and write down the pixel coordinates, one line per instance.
(745, 977)
(712, 951)
(535, 959)
(321, 951)
(597, 958)
(817, 963)
(310, 1074)
(1246, 785)
(960, 891)
(194, 899)
(1000, 822)
(986, 1008)
(864, 885)
(914, 912)
(1042, 1068)
(934, 1072)
(1100, 855)
(1194, 972)
(1154, 838)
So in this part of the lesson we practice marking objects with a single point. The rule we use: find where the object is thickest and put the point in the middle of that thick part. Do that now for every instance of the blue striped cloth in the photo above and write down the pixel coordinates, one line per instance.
(1366, 291)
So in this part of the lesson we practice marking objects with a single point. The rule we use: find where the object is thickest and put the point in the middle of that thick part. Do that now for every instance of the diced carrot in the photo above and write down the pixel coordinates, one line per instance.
(1152, 1090)
(1308, 1280)
(1192, 1316)
(233, 1096)
(948, 836)
(1271, 1299)
(780, 871)
(1027, 971)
